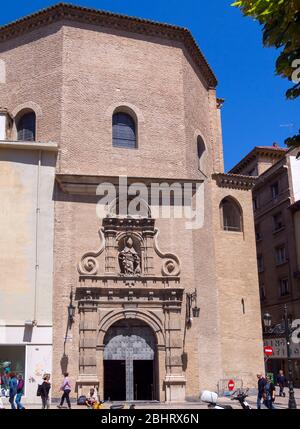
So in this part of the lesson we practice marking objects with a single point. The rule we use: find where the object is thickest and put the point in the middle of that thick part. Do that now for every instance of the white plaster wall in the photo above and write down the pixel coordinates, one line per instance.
(2, 126)
(295, 169)
(38, 362)
(19, 335)
(18, 193)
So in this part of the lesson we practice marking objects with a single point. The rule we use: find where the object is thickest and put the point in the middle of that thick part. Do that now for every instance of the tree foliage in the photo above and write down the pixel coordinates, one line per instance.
(281, 29)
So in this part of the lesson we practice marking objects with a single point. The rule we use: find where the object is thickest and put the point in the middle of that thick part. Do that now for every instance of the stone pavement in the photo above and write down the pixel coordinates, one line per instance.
(280, 403)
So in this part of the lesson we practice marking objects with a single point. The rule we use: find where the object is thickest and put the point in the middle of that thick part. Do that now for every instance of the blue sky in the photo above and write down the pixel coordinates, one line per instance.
(255, 111)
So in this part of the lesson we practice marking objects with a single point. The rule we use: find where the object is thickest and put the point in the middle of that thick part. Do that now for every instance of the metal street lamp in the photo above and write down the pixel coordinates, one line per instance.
(71, 312)
(288, 331)
(192, 310)
(267, 320)
(196, 311)
(288, 334)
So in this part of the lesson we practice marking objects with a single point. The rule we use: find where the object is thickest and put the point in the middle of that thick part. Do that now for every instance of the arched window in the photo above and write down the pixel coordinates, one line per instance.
(231, 215)
(26, 125)
(200, 152)
(124, 131)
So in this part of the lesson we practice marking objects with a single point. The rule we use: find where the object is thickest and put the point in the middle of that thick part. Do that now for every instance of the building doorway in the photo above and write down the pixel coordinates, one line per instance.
(143, 376)
(130, 356)
(115, 380)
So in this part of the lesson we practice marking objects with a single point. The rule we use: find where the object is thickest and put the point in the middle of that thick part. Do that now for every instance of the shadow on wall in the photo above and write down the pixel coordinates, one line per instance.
(64, 363)
(27, 336)
(184, 357)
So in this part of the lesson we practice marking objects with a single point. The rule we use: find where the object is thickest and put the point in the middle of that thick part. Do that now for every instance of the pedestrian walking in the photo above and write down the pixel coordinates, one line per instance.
(281, 381)
(44, 391)
(269, 394)
(66, 389)
(13, 383)
(261, 389)
(20, 392)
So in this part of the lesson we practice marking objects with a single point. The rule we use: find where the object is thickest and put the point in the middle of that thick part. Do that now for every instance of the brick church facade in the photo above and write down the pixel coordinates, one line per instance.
(117, 96)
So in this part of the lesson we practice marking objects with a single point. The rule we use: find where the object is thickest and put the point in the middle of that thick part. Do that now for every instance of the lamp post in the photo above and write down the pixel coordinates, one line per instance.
(288, 334)
(71, 311)
(288, 331)
(267, 321)
(192, 310)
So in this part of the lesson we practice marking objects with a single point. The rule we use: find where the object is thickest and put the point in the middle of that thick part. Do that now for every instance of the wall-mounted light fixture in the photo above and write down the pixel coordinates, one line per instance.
(71, 311)
(192, 310)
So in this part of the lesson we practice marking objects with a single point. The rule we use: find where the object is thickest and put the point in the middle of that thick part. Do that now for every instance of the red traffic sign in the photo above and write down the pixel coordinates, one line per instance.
(268, 351)
(231, 385)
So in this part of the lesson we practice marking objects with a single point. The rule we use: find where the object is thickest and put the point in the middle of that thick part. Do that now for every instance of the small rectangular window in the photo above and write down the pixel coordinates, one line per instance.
(275, 190)
(260, 263)
(255, 203)
(262, 292)
(284, 287)
(258, 233)
(278, 221)
(281, 257)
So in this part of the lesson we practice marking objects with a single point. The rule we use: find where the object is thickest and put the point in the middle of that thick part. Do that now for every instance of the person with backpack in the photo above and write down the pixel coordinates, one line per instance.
(269, 394)
(261, 382)
(43, 391)
(13, 383)
(66, 389)
(20, 392)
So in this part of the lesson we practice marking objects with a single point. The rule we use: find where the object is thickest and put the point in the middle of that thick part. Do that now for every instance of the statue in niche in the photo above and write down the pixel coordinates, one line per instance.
(129, 260)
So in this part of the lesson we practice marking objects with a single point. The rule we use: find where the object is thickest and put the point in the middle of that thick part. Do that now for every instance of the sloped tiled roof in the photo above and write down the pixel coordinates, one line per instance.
(273, 151)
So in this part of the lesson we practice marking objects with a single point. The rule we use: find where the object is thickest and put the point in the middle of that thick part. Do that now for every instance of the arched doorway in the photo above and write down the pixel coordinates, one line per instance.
(130, 362)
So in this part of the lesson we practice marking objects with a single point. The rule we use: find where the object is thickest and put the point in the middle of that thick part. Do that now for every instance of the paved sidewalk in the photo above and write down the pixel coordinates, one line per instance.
(280, 403)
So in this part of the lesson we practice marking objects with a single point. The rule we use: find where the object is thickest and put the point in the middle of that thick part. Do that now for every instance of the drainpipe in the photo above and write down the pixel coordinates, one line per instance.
(37, 238)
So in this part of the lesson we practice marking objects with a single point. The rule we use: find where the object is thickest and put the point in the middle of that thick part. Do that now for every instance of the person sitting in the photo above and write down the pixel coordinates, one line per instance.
(92, 399)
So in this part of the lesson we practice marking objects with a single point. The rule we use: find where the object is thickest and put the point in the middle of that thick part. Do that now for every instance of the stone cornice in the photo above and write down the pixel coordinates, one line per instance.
(29, 145)
(68, 12)
(234, 181)
(87, 184)
(120, 281)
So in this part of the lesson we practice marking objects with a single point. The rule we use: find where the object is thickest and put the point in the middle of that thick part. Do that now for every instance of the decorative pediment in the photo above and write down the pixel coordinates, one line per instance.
(129, 251)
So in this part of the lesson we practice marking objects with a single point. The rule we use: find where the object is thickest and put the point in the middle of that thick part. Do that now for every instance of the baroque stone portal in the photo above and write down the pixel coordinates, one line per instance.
(131, 282)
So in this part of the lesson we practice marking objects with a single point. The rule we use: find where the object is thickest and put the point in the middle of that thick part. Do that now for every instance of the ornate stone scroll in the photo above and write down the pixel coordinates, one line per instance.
(171, 263)
(88, 264)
